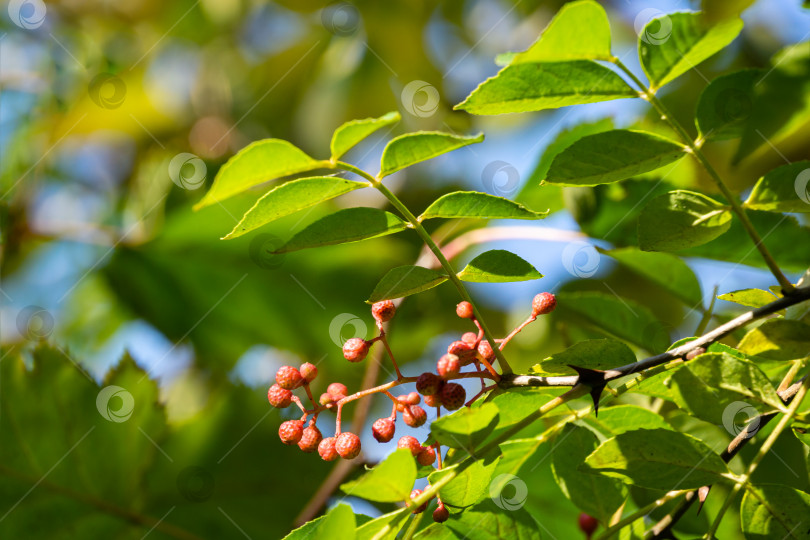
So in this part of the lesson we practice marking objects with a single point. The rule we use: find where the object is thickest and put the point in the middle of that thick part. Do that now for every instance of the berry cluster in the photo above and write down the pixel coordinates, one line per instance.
(436, 389)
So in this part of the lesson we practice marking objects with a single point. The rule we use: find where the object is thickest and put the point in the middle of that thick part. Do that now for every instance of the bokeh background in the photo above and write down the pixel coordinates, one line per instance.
(114, 118)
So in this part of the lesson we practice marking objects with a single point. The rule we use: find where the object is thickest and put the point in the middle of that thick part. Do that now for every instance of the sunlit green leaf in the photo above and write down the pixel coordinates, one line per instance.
(405, 281)
(476, 205)
(498, 266)
(777, 339)
(469, 486)
(681, 219)
(488, 521)
(385, 527)
(548, 85)
(622, 418)
(784, 189)
(663, 269)
(725, 104)
(672, 44)
(611, 156)
(770, 511)
(340, 518)
(591, 353)
(390, 481)
(255, 164)
(749, 297)
(351, 133)
(412, 148)
(347, 225)
(466, 427)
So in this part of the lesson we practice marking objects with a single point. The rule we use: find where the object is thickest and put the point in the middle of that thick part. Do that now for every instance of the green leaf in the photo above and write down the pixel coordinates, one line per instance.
(770, 511)
(486, 521)
(469, 486)
(476, 205)
(658, 459)
(255, 164)
(390, 481)
(802, 431)
(548, 85)
(465, 428)
(618, 317)
(347, 225)
(593, 494)
(404, 281)
(725, 104)
(665, 270)
(611, 156)
(672, 44)
(681, 219)
(384, 527)
(717, 10)
(339, 518)
(777, 339)
(749, 297)
(563, 38)
(622, 418)
(351, 133)
(291, 197)
(784, 189)
(591, 353)
(412, 148)
(498, 266)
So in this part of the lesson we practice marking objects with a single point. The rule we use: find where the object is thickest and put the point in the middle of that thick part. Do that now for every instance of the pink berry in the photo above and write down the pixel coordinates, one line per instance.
(486, 352)
(419, 509)
(383, 429)
(289, 378)
(337, 390)
(291, 431)
(448, 366)
(427, 456)
(279, 397)
(410, 443)
(465, 310)
(326, 399)
(310, 439)
(414, 398)
(383, 311)
(308, 371)
(469, 337)
(587, 524)
(428, 383)
(543, 303)
(464, 351)
(347, 445)
(355, 349)
(433, 401)
(453, 396)
(414, 416)
(326, 449)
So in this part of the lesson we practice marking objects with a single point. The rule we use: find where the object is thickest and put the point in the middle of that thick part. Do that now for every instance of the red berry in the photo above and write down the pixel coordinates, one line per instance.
(279, 397)
(308, 371)
(453, 396)
(347, 445)
(410, 443)
(326, 449)
(310, 439)
(469, 337)
(337, 390)
(463, 350)
(383, 311)
(543, 303)
(326, 399)
(465, 310)
(427, 456)
(383, 429)
(355, 349)
(414, 398)
(288, 377)
(587, 524)
(291, 431)
(428, 383)
(419, 509)
(448, 366)
(486, 352)
(433, 401)
(414, 416)
(441, 514)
